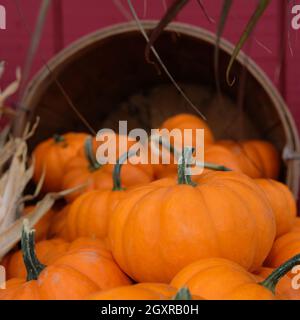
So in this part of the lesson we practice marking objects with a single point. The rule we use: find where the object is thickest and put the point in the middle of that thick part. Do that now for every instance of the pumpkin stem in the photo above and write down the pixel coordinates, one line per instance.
(183, 294)
(117, 185)
(206, 165)
(89, 153)
(32, 264)
(58, 138)
(272, 280)
(184, 176)
(215, 167)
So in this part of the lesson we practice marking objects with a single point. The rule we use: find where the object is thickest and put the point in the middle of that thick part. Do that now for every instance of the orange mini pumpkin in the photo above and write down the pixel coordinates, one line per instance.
(181, 122)
(89, 214)
(72, 276)
(52, 155)
(189, 121)
(231, 280)
(284, 288)
(216, 157)
(47, 251)
(57, 227)
(256, 158)
(282, 202)
(85, 170)
(145, 291)
(296, 224)
(166, 226)
(141, 291)
(283, 249)
(219, 155)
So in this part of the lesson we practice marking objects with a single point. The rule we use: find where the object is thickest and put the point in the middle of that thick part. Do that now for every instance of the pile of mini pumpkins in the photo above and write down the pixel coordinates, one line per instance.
(142, 231)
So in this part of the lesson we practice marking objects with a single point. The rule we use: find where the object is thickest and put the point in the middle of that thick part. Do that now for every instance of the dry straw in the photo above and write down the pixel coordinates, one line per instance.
(15, 172)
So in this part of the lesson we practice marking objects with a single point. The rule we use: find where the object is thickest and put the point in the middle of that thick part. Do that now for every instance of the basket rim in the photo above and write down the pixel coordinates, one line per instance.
(42, 77)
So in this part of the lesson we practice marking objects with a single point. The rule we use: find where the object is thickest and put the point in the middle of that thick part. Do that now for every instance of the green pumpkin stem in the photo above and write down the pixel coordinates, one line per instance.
(58, 138)
(117, 185)
(176, 153)
(33, 266)
(183, 171)
(183, 294)
(272, 280)
(215, 167)
(89, 153)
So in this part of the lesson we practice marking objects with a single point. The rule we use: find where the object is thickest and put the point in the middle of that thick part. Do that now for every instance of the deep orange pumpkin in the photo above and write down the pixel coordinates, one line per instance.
(145, 291)
(189, 121)
(47, 251)
(72, 276)
(296, 224)
(256, 158)
(181, 122)
(119, 143)
(216, 158)
(166, 226)
(283, 249)
(89, 214)
(57, 227)
(221, 279)
(222, 156)
(52, 155)
(282, 202)
(85, 170)
(141, 291)
(284, 289)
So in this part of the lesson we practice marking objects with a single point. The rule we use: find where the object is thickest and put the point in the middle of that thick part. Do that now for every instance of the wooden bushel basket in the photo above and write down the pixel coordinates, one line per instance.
(103, 70)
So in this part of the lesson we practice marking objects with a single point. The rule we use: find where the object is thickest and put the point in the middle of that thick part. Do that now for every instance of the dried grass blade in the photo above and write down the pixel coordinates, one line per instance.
(11, 88)
(261, 7)
(208, 17)
(174, 82)
(171, 13)
(2, 68)
(227, 4)
(35, 40)
(12, 235)
(13, 183)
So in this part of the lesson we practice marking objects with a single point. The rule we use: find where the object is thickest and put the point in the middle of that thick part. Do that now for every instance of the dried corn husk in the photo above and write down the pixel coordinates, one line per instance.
(9, 90)
(12, 185)
(15, 173)
(12, 235)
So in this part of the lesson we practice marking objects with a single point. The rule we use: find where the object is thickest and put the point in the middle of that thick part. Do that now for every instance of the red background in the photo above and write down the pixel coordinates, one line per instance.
(274, 45)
